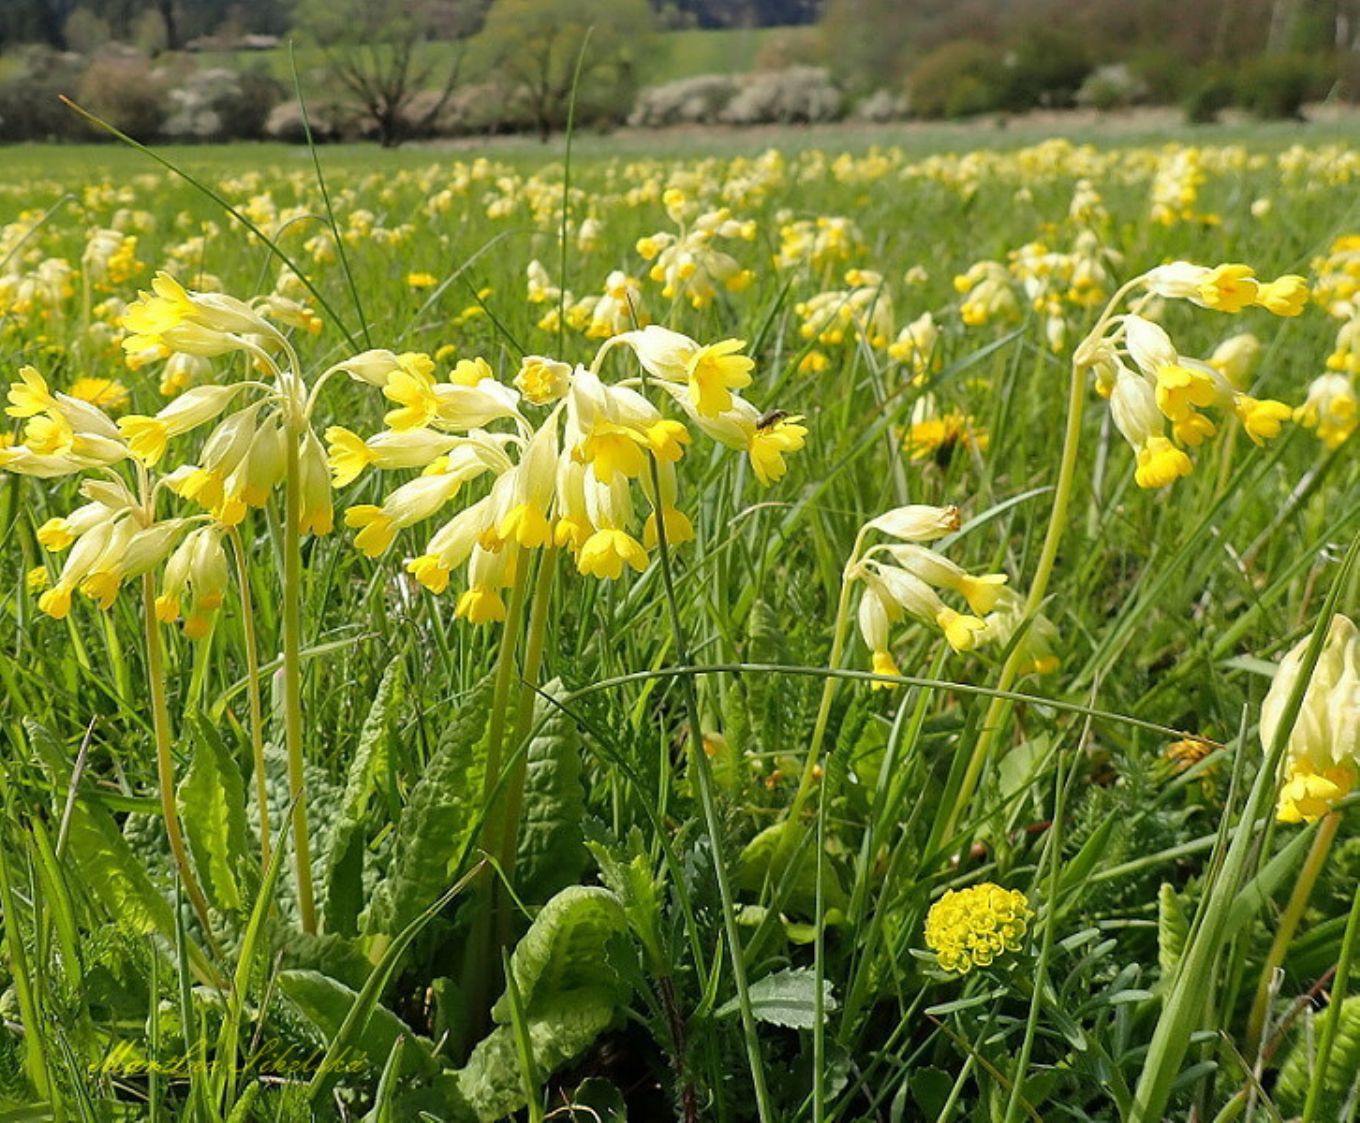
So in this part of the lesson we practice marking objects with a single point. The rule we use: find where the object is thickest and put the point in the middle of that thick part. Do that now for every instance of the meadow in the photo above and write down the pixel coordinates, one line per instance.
(853, 629)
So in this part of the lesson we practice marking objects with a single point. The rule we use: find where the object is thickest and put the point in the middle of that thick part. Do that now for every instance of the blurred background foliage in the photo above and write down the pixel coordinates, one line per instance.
(393, 70)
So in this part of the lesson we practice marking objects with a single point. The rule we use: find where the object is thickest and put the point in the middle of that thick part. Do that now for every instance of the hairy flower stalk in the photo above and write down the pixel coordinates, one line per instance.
(253, 693)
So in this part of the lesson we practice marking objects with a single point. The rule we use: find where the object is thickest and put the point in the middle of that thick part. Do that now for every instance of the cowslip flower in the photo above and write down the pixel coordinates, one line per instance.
(1322, 761)
(973, 927)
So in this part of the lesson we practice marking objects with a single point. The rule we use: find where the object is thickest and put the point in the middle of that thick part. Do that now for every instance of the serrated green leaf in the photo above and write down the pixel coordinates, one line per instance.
(552, 853)
(1343, 1066)
(636, 887)
(211, 800)
(438, 821)
(344, 880)
(786, 998)
(1172, 929)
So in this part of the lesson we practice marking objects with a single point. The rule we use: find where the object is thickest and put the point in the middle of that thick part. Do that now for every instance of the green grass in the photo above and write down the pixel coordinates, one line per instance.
(689, 932)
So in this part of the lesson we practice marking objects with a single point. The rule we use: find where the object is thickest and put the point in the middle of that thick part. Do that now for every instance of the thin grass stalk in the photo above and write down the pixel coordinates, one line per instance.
(704, 772)
(253, 692)
(35, 1054)
(1288, 925)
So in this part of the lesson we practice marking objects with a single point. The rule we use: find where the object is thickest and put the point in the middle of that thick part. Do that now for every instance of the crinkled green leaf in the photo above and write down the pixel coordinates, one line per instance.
(211, 800)
(438, 821)
(110, 871)
(568, 991)
(552, 852)
(344, 882)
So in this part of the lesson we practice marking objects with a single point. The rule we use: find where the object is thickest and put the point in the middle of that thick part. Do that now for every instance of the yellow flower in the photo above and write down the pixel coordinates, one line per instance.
(541, 380)
(413, 390)
(469, 372)
(378, 530)
(1180, 388)
(613, 449)
(883, 664)
(678, 528)
(29, 396)
(1262, 418)
(605, 553)
(962, 632)
(1309, 794)
(347, 456)
(1284, 296)
(716, 370)
(421, 280)
(814, 362)
(768, 445)
(480, 604)
(1228, 288)
(971, 927)
(526, 524)
(1160, 463)
(106, 393)
(36, 579)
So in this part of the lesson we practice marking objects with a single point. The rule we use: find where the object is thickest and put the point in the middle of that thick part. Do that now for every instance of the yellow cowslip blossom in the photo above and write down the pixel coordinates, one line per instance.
(542, 381)
(413, 501)
(421, 280)
(174, 318)
(987, 294)
(147, 437)
(1170, 387)
(196, 572)
(690, 266)
(1331, 409)
(710, 372)
(1322, 761)
(973, 927)
(349, 454)
(488, 572)
(915, 346)
(908, 584)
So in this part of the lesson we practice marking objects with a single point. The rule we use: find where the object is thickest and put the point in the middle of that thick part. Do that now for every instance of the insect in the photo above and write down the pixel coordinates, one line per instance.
(770, 419)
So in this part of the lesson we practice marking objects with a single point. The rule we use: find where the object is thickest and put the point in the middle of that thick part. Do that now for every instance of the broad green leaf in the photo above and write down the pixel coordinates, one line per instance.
(786, 998)
(326, 1001)
(568, 995)
(344, 880)
(211, 800)
(766, 859)
(438, 821)
(111, 872)
(552, 852)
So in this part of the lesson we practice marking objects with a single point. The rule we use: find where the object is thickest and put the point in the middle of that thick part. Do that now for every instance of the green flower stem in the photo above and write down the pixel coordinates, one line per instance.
(479, 970)
(541, 601)
(1288, 925)
(292, 675)
(838, 635)
(165, 765)
(253, 692)
(1057, 524)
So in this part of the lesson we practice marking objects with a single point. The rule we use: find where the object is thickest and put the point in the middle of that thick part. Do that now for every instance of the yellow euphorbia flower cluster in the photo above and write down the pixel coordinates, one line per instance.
(972, 927)
(904, 580)
(687, 263)
(1322, 763)
(565, 481)
(1165, 386)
